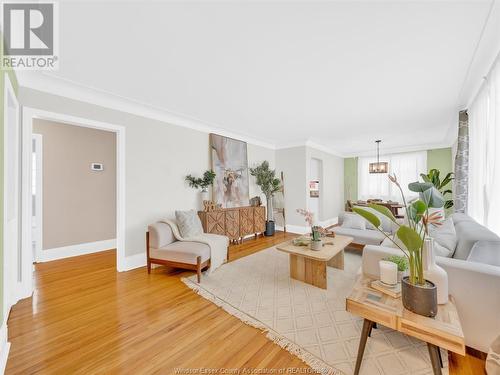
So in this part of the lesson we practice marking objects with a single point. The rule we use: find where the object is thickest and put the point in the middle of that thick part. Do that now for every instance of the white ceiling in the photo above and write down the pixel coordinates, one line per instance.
(340, 74)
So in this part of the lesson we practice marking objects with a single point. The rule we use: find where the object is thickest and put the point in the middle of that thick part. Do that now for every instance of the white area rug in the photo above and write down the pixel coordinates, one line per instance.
(307, 321)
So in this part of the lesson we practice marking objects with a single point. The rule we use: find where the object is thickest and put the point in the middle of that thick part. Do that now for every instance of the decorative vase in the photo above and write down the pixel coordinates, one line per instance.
(420, 299)
(203, 197)
(432, 272)
(388, 272)
(316, 245)
(270, 228)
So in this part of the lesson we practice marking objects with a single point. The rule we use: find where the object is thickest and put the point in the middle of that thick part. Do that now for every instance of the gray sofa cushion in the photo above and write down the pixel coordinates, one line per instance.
(487, 252)
(385, 223)
(468, 233)
(459, 217)
(160, 234)
(182, 252)
(353, 221)
(445, 237)
(361, 236)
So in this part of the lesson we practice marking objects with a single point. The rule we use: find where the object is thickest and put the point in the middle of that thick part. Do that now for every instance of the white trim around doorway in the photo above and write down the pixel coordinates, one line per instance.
(33, 113)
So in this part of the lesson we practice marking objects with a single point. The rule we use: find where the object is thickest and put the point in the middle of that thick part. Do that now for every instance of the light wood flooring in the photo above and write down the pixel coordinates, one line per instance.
(85, 318)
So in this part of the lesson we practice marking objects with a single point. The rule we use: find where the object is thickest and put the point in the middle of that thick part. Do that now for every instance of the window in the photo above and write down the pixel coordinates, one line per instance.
(484, 153)
(406, 166)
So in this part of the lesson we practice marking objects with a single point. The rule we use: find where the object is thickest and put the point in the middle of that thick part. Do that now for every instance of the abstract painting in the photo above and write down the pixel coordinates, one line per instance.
(230, 164)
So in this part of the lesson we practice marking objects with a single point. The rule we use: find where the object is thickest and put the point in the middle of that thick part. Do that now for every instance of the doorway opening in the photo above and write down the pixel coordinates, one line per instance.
(73, 205)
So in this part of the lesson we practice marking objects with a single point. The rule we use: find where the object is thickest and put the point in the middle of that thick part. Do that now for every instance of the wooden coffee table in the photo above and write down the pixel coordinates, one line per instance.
(309, 266)
(443, 331)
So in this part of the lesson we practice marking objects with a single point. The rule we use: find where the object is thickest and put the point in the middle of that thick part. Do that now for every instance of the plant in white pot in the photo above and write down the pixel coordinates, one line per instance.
(418, 294)
(202, 183)
(266, 179)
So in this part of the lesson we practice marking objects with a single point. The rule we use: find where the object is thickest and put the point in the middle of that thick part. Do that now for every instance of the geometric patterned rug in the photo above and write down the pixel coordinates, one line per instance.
(307, 321)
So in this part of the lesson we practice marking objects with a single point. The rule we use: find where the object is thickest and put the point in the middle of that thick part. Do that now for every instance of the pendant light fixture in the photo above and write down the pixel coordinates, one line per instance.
(379, 167)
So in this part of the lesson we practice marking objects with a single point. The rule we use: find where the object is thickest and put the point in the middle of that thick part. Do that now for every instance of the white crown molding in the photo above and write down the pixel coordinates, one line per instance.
(397, 150)
(66, 88)
(58, 86)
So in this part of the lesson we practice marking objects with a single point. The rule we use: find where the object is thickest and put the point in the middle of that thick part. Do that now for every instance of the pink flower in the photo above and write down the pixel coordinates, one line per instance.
(308, 216)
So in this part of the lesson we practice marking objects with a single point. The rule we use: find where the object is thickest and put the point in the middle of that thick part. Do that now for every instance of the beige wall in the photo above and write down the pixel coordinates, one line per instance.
(158, 157)
(79, 205)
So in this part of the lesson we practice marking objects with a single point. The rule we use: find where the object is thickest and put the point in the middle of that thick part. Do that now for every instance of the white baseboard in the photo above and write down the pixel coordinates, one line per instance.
(133, 261)
(329, 222)
(298, 229)
(75, 250)
(4, 347)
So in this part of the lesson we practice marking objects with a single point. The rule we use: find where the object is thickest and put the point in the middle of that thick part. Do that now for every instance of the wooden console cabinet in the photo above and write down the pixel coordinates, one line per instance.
(235, 223)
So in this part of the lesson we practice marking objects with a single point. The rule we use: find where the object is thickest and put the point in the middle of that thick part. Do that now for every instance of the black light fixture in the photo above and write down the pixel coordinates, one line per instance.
(379, 167)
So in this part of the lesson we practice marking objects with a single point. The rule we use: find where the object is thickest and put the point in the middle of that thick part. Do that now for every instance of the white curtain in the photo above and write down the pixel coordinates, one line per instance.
(407, 167)
(484, 156)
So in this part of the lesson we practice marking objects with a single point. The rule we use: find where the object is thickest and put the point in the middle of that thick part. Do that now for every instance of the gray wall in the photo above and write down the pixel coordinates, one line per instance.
(158, 157)
(79, 205)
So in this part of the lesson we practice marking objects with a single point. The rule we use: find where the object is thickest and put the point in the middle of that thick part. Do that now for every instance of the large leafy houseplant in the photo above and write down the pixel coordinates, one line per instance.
(266, 179)
(434, 177)
(411, 235)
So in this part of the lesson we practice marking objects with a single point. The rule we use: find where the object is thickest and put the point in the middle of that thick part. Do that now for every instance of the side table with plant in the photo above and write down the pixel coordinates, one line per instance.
(418, 294)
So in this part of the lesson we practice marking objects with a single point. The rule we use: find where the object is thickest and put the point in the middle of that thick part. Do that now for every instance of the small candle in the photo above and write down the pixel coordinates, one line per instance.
(388, 272)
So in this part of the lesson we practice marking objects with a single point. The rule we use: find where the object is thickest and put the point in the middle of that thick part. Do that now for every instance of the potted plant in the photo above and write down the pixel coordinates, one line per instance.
(266, 179)
(434, 177)
(202, 182)
(402, 264)
(418, 294)
(316, 230)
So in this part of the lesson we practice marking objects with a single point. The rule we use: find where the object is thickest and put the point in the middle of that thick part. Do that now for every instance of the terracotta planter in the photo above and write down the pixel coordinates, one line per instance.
(420, 299)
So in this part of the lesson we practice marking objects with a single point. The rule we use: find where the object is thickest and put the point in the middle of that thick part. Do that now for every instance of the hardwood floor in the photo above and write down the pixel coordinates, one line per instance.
(85, 318)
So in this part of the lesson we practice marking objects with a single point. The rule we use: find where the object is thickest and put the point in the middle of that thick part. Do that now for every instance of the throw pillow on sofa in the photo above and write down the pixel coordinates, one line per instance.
(386, 224)
(445, 236)
(353, 221)
(438, 249)
(189, 223)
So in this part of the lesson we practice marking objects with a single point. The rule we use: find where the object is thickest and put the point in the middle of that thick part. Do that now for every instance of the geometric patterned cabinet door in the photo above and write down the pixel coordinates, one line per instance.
(260, 219)
(234, 223)
(214, 222)
(246, 221)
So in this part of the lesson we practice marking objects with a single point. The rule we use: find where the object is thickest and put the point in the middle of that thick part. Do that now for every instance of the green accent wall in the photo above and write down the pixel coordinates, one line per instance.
(440, 158)
(350, 179)
(15, 85)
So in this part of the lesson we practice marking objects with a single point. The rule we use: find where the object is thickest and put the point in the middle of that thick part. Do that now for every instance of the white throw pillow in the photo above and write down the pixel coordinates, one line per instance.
(444, 235)
(353, 221)
(386, 224)
(189, 223)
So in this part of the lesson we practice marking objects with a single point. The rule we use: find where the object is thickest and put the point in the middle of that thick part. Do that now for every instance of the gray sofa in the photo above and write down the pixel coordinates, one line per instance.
(473, 278)
(360, 236)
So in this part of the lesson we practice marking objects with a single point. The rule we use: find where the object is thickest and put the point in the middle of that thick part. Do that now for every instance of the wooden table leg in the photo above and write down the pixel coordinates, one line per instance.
(310, 271)
(435, 360)
(367, 327)
(337, 261)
